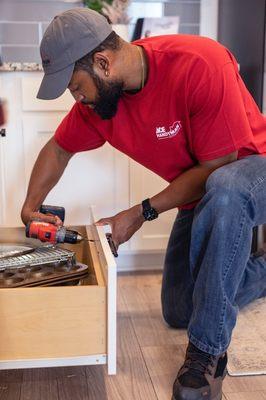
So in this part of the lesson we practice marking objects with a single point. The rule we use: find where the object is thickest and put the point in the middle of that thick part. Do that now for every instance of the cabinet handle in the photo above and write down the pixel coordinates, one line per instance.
(3, 132)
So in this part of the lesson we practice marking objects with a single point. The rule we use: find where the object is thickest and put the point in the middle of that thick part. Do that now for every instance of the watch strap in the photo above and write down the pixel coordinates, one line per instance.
(149, 213)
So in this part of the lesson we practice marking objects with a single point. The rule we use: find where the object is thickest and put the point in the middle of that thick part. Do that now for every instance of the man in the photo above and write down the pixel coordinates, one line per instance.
(177, 105)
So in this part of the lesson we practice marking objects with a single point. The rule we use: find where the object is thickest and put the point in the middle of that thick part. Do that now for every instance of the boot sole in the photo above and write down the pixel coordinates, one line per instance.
(219, 397)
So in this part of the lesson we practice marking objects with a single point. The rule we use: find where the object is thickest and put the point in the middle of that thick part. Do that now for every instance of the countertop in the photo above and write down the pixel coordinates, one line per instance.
(16, 66)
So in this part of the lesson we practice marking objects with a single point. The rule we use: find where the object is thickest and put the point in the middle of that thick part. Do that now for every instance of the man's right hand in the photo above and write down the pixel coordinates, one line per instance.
(2, 112)
(28, 216)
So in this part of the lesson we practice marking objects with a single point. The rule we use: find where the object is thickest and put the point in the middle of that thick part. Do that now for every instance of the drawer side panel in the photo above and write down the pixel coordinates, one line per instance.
(47, 322)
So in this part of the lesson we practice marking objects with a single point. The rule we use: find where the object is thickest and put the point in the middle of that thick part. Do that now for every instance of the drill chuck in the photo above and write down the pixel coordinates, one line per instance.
(72, 237)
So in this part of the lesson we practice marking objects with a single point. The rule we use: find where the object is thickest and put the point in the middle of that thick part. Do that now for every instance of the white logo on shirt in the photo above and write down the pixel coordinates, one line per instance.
(162, 133)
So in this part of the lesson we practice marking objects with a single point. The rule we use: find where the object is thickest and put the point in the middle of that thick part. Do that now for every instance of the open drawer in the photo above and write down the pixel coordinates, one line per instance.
(62, 325)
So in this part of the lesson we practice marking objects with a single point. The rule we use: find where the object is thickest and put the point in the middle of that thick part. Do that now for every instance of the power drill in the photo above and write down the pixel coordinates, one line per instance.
(47, 232)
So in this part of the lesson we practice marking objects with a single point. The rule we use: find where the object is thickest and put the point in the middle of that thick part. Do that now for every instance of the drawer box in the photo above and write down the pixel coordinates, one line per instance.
(63, 325)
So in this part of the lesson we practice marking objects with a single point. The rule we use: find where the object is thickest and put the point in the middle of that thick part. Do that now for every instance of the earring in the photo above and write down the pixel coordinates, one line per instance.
(106, 73)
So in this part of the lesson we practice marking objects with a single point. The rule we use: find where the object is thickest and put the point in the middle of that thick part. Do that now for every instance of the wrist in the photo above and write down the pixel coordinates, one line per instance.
(24, 215)
(149, 213)
(138, 212)
(26, 212)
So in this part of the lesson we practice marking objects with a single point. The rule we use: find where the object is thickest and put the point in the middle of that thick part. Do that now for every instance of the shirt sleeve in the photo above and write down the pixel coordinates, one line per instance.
(218, 120)
(76, 133)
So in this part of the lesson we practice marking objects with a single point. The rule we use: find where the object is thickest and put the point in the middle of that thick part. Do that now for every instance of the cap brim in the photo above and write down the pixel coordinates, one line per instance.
(53, 85)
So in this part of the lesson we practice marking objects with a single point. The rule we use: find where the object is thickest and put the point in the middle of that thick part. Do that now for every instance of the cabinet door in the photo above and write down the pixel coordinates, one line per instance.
(89, 179)
(30, 86)
(12, 182)
(154, 234)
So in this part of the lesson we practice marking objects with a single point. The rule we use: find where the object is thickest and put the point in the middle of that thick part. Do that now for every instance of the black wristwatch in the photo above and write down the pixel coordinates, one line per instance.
(149, 213)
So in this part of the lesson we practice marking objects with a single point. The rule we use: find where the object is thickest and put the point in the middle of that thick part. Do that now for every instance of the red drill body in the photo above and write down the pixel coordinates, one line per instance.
(47, 232)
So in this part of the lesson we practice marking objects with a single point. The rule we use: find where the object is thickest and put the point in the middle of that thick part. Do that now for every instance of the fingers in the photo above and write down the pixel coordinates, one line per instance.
(49, 218)
(111, 237)
(104, 221)
(58, 221)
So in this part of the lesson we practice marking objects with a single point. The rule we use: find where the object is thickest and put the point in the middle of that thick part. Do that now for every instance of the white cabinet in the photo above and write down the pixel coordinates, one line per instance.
(103, 177)
(12, 179)
(88, 179)
(29, 88)
(154, 234)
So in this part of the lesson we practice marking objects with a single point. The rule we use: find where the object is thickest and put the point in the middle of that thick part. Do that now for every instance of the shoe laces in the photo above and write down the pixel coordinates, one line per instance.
(198, 362)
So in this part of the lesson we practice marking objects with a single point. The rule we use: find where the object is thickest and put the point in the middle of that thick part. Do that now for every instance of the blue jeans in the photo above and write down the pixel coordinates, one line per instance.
(209, 270)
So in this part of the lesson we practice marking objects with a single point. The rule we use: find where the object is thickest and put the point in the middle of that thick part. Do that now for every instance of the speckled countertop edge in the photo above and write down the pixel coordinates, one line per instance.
(15, 66)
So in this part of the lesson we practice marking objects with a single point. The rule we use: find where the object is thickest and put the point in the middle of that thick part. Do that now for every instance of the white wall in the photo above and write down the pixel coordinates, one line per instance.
(209, 18)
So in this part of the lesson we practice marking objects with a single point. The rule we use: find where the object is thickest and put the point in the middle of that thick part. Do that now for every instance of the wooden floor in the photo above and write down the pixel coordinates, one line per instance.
(149, 356)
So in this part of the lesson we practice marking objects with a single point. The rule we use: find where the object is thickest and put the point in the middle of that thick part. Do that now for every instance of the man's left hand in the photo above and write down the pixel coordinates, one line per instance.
(124, 224)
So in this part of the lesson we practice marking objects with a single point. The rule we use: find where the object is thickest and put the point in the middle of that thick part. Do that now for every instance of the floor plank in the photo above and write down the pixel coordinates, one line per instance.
(142, 300)
(246, 396)
(132, 381)
(10, 384)
(39, 384)
(244, 384)
(163, 363)
(72, 384)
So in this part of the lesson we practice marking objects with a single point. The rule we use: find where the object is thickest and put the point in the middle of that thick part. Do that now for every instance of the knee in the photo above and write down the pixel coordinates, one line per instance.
(225, 186)
(221, 178)
(173, 321)
(173, 316)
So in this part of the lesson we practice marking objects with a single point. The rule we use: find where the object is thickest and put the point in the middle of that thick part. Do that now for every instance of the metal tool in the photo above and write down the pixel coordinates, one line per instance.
(51, 233)
(111, 244)
(47, 232)
(11, 250)
(41, 255)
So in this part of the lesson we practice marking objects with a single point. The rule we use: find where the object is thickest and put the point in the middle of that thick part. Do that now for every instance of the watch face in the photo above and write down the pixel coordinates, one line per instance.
(150, 214)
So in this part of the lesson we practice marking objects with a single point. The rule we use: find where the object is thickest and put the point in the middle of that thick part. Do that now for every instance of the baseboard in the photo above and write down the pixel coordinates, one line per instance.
(140, 260)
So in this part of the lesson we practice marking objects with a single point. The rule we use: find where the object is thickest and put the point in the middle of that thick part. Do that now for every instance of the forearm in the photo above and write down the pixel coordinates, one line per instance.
(186, 188)
(190, 185)
(46, 172)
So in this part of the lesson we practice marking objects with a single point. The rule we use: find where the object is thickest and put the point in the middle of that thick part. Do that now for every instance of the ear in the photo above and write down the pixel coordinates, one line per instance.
(102, 63)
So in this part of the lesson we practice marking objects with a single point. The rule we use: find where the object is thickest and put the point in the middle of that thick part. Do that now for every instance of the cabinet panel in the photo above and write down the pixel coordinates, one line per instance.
(88, 179)
(154, 234)
(12, 182)
(30, 87)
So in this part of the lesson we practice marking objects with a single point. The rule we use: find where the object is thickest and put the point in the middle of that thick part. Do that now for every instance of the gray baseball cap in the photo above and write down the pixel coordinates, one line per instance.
(69, 37)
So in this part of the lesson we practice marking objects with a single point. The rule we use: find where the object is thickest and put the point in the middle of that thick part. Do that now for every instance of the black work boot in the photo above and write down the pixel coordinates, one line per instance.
(201, 376)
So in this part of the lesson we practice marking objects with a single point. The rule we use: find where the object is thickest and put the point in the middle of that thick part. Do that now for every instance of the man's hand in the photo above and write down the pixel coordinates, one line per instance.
(28, 216)
(124, 224)
(3, 112)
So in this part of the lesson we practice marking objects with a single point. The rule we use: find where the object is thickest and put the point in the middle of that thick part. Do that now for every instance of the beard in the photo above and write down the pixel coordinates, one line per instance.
(108, 97)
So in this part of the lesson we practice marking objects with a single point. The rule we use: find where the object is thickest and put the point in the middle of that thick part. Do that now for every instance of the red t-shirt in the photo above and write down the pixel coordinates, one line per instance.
(194, 107)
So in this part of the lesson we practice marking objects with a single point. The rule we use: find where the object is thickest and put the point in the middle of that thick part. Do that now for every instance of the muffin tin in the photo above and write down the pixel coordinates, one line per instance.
(43, 275)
